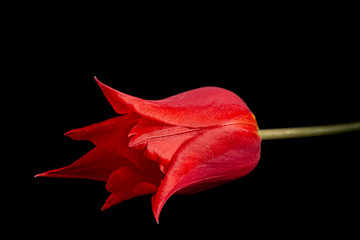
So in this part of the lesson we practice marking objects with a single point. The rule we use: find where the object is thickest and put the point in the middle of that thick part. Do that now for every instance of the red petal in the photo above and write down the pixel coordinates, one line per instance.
(214, 157)
(90, 132)
(200, 107)
(143, 188)
(126, 177)
(96, 164)
(161, 140)
(129, 182)
(118, 100)
(112, 136)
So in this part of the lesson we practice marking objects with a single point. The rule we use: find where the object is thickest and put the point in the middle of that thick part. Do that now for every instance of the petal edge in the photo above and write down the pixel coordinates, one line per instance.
(218, 155)
(201, 107)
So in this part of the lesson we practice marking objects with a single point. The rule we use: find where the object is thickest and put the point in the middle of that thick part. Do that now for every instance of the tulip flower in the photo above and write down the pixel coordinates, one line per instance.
(183, 144)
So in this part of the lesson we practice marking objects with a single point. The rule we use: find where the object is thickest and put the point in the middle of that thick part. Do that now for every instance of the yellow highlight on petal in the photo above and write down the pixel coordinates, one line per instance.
(256, 122)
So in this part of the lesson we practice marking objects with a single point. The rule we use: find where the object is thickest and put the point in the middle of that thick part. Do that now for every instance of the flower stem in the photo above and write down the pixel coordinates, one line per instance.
(300, 132)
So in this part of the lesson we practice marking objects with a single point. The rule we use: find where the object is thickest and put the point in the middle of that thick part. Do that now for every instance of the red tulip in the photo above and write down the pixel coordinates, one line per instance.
(182, 144)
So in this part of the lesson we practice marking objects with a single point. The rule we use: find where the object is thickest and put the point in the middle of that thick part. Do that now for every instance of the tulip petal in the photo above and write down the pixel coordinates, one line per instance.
(129, 182)
(160, 140)
(92, 131)
(207, 106)
(96, 164)
(112, 136)
(128, 176)
(216, 156)
(139, 189)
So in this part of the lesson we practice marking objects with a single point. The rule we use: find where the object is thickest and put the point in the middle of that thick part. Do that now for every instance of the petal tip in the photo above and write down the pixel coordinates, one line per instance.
(156, 208)
(101, 85)
(104, 208)
(67, 134)
(41, 175)
(97, 80)
(106, 205)
(157, 217)
(72, 133)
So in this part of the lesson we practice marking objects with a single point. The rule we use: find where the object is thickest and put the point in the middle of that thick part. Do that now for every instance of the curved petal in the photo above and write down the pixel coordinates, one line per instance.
(216, 156)
(96, 164)
(112, 136)
(207, 106)
(160, 140)
(139, 189)
(129, 182)
(94, 130)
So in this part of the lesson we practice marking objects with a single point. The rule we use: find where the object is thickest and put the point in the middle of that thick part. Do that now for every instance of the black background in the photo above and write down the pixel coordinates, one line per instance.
(291, 71)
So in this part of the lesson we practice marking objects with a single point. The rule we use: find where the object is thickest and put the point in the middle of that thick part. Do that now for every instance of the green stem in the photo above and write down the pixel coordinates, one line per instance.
(300, 132)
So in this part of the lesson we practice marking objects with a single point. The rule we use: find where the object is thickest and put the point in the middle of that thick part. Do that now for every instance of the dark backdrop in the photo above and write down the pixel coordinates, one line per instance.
(290, 74)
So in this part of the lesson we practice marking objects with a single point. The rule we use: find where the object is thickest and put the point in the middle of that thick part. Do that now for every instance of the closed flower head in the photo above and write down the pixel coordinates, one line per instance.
(183, 144)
